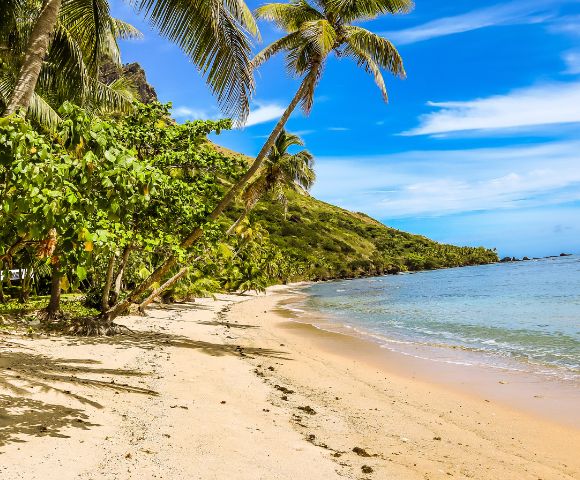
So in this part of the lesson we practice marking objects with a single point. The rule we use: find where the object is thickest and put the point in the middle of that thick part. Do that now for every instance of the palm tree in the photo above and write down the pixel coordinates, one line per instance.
(213, 33)
(314, 32)
(82, 40)
(281, 171)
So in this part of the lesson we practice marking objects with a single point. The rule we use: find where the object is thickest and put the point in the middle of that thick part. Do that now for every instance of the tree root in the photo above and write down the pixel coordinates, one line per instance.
(96, 327)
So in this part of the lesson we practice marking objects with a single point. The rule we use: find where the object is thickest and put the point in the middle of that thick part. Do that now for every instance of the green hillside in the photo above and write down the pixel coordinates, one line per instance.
(331, 242)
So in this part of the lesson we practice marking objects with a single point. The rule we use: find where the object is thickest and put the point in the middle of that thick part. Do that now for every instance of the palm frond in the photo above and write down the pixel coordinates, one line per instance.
(379, 49)
(125, 31)
(364, 60)
(287, 42)
(41, 112)
(289, 16)
(214, 35)
(351, 10)
(321, 35)
(89, 23)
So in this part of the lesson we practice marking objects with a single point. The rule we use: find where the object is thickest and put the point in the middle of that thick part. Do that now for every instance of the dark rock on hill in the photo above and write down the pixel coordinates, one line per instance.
(134, 72)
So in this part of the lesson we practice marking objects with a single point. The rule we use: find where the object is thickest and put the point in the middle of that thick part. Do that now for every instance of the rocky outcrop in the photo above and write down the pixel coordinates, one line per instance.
(134, 72)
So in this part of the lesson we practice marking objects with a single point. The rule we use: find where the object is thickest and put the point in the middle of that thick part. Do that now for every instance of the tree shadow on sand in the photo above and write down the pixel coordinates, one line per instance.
(156, 341)
(23, 417)
(23, 373)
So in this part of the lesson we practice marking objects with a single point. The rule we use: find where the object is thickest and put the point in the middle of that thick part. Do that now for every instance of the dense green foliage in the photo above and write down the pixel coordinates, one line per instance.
(105, 200)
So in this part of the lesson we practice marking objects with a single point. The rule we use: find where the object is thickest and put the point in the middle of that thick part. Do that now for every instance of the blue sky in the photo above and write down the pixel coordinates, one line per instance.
(480, 145)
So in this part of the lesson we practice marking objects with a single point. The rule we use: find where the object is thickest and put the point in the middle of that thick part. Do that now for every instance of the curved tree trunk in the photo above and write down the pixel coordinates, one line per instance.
(168, 284)
(240, 219)
(35, 53)
(228, 198)
(120, 273)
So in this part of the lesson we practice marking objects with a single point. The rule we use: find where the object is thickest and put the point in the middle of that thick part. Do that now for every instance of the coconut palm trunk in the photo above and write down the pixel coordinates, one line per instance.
(35, 53)
(168, 284)
(235, 225)
(170, 262)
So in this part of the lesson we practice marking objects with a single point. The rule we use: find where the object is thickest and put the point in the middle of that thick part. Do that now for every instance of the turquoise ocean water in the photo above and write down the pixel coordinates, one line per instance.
(515, 316)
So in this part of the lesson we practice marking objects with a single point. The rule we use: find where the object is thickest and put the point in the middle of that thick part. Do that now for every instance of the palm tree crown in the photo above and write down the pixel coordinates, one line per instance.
(316, 29)
(282, 171)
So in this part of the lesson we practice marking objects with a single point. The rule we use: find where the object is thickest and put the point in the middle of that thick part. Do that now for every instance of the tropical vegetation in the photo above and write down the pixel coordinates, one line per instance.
(102, 213)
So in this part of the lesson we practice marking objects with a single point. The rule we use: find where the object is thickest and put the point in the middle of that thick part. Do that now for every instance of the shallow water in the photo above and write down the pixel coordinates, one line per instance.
(514, 316)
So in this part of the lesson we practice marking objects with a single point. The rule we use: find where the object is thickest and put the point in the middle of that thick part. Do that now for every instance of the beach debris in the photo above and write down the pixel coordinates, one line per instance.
(222, 402)
(271, 368)
(308, 409)
(128, 456)
(284, 397)
(361, 452)
(367, 469)
(311, 437)
(284, 389)
(337, 454)
(437, 438)
(502, 382)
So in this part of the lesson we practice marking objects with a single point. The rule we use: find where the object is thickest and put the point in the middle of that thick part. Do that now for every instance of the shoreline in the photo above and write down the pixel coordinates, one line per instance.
(231, 389)
(543, 396)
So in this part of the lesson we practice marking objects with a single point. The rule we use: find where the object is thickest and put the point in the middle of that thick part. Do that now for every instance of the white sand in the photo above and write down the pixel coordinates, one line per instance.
(64, 413)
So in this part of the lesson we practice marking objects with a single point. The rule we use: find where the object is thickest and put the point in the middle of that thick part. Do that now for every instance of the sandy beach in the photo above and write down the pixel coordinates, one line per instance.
(232, 389)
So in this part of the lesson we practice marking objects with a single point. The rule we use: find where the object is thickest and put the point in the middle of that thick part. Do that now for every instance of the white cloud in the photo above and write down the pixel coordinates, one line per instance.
(567, 25)
(260, 113)
(187, 113)
(513, 13)
(530, 107)
(265, 112)
(572, 60)
(437, 183)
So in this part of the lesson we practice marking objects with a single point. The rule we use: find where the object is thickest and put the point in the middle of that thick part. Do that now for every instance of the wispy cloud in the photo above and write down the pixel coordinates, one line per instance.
(188, 113)
(263, 113)
(338, 129)
(513, 13)
(572, 60)
(525, 108)
(567, 25)
(437, 183)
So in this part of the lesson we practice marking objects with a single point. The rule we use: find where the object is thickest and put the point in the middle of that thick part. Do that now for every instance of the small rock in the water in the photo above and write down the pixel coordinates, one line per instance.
(361, 452)
(366, 469)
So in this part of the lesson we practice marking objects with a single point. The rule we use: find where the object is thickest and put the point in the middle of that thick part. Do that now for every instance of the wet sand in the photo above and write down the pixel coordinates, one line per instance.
(232, 389)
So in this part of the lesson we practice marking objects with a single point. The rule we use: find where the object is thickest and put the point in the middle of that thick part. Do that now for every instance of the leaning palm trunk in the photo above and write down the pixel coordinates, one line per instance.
(170, 262)
(35, 53)
(235, 225)
(168, 284)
